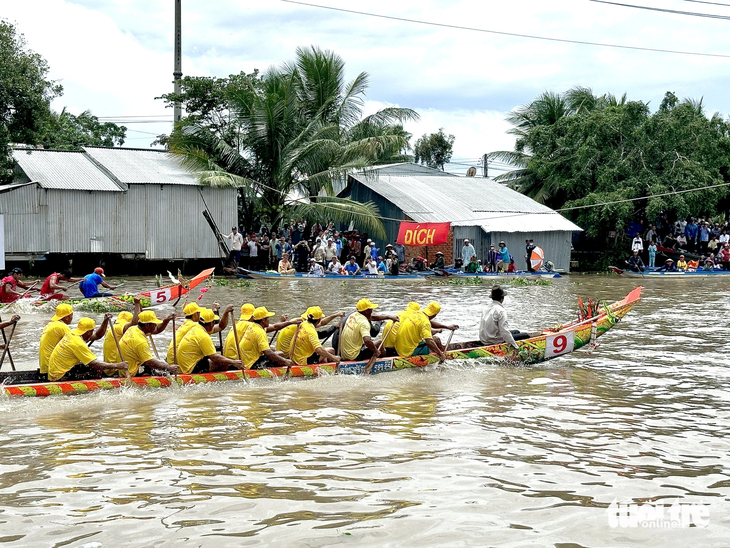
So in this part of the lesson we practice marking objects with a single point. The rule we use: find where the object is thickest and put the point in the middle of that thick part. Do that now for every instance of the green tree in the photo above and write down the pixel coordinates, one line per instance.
(25, 95)
(607, 160)
(434, 149)
(64, 131)
(293, 131)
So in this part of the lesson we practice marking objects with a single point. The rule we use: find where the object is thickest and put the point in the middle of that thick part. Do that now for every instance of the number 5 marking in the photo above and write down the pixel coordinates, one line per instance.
(162, 296)
(562, 343)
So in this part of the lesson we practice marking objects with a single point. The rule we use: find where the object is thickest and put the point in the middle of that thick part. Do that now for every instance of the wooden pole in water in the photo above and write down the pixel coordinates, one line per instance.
(6, 350)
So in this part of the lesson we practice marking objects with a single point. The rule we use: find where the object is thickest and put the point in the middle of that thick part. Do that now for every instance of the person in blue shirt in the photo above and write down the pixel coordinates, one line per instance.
(381, 265)
(669, 266)
(503, 257)
(690, 231)
(351, 268)
(89, 286)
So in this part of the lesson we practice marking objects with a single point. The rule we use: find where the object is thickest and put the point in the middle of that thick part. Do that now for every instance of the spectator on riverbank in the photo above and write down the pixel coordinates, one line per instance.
(637, 244)
(635, 263)
(652, 253)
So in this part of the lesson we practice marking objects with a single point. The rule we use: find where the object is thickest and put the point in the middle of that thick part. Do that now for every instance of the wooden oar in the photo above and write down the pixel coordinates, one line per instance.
(174, 343)
(154, 348)
(291, 350)
(371, 361)
(446, 348)
(6, 350)
(29, 289)
(238, 348)
(119, 351)
(271, 341)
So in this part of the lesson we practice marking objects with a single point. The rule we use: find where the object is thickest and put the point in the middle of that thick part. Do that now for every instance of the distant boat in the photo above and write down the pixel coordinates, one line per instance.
(259, 275)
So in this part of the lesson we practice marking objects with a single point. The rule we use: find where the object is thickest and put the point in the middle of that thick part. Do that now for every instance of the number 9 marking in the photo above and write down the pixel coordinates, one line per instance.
(561, 343)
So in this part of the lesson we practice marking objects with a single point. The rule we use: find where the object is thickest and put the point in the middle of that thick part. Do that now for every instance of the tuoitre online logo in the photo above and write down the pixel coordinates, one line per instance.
(658, 516)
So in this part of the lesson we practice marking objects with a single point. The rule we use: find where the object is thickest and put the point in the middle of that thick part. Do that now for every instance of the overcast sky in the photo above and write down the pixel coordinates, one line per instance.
(114, 56)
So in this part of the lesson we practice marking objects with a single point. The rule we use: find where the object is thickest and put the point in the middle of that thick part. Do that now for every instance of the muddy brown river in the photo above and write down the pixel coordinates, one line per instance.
(627, 446)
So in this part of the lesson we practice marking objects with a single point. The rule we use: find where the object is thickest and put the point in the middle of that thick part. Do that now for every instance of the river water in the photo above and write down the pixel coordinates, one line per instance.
(472, 454)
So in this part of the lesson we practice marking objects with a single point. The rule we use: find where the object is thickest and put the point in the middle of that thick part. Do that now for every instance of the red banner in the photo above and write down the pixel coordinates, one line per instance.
(421, 234)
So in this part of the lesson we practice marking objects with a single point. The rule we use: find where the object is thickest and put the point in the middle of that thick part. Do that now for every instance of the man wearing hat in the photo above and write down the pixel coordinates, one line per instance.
(681, 264)
(192, 317)
(492, 258)
(414, 336)
(357, 333)
(473, 267)
(634, 262)
(254, 346)
(236, 245)
(467, 251)
(57, 329)
(438, 263)
(246, 321)
(135, 345)
(305, 342)
(351, 268)
(493, 326)
(9, 286)
(315, 268)
(668, 266)
(89, 286)
(503, 262)
(197, 352)
(285, 266)
(118, 329)
(71, 359)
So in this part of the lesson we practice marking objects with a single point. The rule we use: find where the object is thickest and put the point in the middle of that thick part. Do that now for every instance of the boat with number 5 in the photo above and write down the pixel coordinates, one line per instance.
(545, 345)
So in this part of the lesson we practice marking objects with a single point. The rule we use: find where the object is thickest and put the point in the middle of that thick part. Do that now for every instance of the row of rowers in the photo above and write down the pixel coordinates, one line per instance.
(64, 354)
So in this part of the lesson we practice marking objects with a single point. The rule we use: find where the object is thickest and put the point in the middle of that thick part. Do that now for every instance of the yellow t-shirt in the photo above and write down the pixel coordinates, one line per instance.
(392, 332)
(195, 346)
(135, 348)
(51, 336)
(283, 340)
(253, 344)
(414, 327)
(70, 351)
(179, 335)
(110, 348)
(229, 347)
(354, 331)
(306, 343)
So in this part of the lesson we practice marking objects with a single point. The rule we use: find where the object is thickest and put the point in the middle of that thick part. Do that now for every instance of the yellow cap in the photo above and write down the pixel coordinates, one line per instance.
(260, 313)
(124, 317)
(85, 324)
(247, 311)
(62, 310)
(191, 309)
(432, 308)
(413, 307)
(148, 316)
(364, 304)
(207, 315)
(315, 312)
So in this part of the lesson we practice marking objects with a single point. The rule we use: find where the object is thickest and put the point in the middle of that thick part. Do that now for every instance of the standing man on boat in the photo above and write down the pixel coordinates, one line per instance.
(135, 345)
(255, 350)
(89, 286)
(467, 252)
(9, 286)
(494, 327)
(236, 245)
(72, 359)
(197, 352)
(53, 290)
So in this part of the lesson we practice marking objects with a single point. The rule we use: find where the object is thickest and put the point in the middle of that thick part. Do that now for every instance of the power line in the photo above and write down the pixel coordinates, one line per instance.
(711, 3)
(676, 12)
(501, 33)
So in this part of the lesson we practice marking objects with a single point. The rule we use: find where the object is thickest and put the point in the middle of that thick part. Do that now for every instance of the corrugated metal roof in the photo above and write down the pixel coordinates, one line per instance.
(466, 202)
(63, 170)
(408, 169)
(141, 166)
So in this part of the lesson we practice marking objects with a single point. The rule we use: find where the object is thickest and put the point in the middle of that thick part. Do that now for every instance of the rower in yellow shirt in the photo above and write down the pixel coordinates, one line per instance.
(135, 346)
(255, 350)
(52, 334)
(229, 347)
(283, 341)
(197, 352)
(390, 329)
(111, 354)
(414, 336)
(71, 359)
(356, 342)
(192, 317)
(306, 342)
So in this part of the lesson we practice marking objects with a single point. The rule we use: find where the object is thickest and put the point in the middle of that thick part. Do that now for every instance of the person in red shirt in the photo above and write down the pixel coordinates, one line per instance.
(52, 289)
(9, 286)
(724, 256)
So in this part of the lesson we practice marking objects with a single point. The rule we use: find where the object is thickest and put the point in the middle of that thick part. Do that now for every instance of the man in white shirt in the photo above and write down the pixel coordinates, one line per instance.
(493, 326)
(236, 245)
(467, 252)
(253, 253)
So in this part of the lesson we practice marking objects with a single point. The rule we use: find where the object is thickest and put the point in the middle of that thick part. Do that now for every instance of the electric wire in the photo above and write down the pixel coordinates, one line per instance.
(675, 12)
(513, 34)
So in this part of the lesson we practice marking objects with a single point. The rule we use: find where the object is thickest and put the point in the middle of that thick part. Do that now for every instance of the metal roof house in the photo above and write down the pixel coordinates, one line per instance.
(109, 202)
(477, 208)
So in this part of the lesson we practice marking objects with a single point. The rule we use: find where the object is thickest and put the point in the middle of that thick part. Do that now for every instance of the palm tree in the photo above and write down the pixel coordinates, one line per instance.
(300, 130)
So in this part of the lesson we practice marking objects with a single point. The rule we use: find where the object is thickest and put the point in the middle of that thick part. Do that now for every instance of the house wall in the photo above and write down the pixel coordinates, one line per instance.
(159, 221)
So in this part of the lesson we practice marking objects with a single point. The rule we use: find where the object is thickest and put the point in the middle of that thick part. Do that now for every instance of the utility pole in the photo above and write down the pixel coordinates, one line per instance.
(485, 167)
(178, 58)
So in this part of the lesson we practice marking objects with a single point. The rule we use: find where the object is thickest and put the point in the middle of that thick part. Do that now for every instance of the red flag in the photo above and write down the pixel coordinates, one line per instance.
(420, 234)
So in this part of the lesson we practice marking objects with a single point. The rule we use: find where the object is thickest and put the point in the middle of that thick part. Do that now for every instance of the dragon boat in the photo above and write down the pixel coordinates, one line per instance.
(535, 275)
(271, 275)
(660, 274)
(118, 303)
(545, 345)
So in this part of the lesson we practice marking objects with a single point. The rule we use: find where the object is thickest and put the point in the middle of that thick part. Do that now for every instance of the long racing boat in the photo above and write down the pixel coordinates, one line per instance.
(545, 345)
(271, 275)
(659, 274)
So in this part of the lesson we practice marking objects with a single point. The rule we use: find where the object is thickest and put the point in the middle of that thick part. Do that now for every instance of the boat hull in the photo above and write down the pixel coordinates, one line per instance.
(674, 275)
(547, 345)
